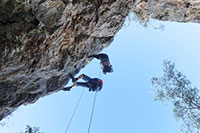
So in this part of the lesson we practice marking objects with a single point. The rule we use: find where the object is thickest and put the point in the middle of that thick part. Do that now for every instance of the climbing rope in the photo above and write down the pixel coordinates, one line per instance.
(90, 123)
(93, 106)
(74, 110)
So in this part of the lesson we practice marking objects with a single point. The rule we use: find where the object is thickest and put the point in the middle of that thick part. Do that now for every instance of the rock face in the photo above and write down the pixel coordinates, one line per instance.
(168, 10)
(42, 41)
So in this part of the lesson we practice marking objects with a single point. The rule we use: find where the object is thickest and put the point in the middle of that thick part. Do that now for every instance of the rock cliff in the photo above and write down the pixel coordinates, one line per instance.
(168, 10)
(42, 41)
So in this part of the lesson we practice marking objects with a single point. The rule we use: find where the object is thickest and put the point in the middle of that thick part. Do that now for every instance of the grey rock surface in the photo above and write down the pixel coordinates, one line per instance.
(168, 10)
(42, 41)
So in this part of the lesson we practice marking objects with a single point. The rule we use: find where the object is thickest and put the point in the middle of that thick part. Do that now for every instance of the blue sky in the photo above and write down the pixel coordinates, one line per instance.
(126, 102)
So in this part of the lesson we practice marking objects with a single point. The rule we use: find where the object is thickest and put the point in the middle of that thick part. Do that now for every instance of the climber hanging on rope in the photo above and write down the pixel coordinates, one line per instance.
(94, 84)
(105, 63)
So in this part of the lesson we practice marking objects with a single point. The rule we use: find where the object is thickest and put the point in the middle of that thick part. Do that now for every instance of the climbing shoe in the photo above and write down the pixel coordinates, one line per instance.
(66, 88)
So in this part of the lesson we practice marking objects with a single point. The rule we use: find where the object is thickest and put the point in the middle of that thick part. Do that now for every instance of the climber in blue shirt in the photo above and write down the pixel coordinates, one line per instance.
(94, 84)
(105, 63)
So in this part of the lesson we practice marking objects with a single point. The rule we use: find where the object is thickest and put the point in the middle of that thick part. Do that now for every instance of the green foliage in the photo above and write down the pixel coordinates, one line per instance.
(150, 23)
(176, 88)
(30, 129)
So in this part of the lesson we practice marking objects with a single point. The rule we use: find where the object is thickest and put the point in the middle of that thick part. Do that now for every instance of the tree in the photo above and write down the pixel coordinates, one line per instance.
(174, 87)
(30, 129)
